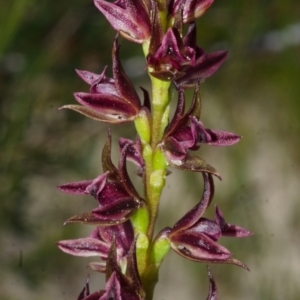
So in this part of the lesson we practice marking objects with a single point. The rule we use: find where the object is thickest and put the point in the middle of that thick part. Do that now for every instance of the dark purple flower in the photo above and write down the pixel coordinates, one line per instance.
(129, 17)
(109, 100)
(195, 237)
(116, 196)
(181, 60)
(134, 153)
(99, 243)
(185, 132)
(120, 285)
(189, 9)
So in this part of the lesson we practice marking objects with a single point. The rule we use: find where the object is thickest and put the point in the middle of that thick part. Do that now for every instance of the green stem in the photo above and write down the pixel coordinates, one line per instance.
(160, 106)
(155, 172)
(155, 169)
(156, 178)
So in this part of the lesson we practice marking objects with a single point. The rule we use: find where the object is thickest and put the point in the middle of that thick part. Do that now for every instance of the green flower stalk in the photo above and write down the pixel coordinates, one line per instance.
(123, 220)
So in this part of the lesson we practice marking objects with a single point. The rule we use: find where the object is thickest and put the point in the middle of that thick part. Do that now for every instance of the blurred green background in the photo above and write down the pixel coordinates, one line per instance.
(256, 93)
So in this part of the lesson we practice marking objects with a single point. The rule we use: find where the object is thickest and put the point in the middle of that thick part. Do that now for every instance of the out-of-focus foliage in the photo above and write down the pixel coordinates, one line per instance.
(256, 94)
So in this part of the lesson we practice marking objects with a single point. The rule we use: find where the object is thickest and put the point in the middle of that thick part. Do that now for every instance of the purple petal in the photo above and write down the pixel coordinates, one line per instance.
(178, 127)
(123, 235)
(97, 219)
(105, 87)
(175, 123)
(96, 187)
(157, 30)
(170, 49)
(192, 216)
(190, 38)
(124, 175)
(166, 74)
(198, 247)
(107, 104)
(99, 82)
(171, 56)
(173, 151)
(107, 164)
(98, 266)
(185, 137)
(228, 229)
(112, 261)
(100, 116)
(195, 109)
(127, 16)
(204, 67)
(112, 192)
(128, 291)
(124, 86)
(132, 272)
(112, 289)
(202, 249)
(194, 9)
(213, 292)
(207, 227)
(192, 163)
(134, 152)
(76, 188)
(89, 77)
(210, 136)
(84, 247)
(116, 212)
(236, 262)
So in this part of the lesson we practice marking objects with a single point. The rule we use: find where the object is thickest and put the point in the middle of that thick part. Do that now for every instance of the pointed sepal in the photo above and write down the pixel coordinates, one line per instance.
(213, 291)
(129, 17)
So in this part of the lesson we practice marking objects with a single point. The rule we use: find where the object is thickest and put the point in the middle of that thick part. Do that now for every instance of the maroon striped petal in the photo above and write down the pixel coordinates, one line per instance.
(76, 188)
(116, 212)
(113, 191)
(229, 229)
(207, 227)
(213, 292)
(129, 17)
(174, 152)
(84, 247)
(192, 216)
(132, 272)
(204, 67)
(89, 77)
(124, 175)
(212, 137)
(124, 86)
(122, 233)
(134, 151)
(112, 289)
(191, 163)
(98, 184)
(198, 247)
(106, 216)
(107, 164)
(98, 266)
(107, 104)
(111, 118)
(192, 9)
